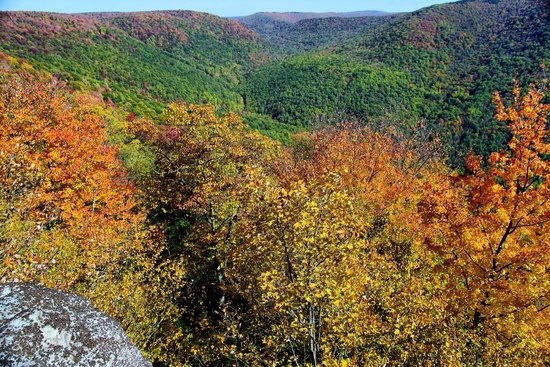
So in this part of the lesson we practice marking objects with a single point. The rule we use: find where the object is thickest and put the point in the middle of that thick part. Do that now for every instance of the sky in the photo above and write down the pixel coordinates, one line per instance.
(224, 8)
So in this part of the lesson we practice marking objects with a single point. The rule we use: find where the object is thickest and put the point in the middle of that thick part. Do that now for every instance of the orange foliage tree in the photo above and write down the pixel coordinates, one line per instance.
(60, 184)
(491, 230)
(68, 215)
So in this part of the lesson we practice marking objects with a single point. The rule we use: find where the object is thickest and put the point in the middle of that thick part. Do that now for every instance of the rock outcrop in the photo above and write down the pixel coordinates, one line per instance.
(44, 327)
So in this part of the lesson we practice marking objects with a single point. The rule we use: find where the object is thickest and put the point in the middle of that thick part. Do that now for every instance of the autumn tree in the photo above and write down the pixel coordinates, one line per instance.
(68, 211)
(61, 181)
(491, 232)
(340, 276)
(195, 194)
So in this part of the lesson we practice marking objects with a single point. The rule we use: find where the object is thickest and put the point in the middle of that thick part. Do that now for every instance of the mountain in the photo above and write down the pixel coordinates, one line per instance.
(297, 32)
(293, 17)
(439, 64)
(140, 60)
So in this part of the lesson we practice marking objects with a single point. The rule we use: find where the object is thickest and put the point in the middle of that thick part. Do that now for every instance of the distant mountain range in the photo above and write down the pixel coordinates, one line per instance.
(304, 31)
(293, 17)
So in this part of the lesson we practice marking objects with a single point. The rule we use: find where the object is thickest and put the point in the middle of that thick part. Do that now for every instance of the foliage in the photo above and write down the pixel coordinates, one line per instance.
(490, 230)
(58, 172)
(336, 255)
(67, 209)
(195, 194)
(139, 61)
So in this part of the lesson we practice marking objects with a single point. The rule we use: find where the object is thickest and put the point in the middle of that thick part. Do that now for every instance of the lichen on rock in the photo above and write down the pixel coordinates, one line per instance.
(46, 327)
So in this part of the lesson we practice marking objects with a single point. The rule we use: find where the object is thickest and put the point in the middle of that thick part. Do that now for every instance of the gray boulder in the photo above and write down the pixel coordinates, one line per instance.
(44, 327)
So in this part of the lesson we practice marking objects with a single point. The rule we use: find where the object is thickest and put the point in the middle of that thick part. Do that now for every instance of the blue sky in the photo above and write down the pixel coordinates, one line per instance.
(219, 7)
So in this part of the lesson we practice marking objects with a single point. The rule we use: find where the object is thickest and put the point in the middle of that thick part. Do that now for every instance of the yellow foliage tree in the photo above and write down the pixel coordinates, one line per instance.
(328, 257)
(203, 162)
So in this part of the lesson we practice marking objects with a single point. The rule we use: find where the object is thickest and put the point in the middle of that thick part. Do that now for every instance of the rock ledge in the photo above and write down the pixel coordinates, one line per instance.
(44, 327)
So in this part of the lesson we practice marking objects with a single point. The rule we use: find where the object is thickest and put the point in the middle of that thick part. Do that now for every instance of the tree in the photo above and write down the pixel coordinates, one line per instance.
(492, 226)
(65, 195)
(196, 193)
(68, 211)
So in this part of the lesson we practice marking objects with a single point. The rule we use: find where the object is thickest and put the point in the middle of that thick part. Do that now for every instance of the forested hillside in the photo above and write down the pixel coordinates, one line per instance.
(439, 64)
(236, 201)
(139, 61)
(297, 32)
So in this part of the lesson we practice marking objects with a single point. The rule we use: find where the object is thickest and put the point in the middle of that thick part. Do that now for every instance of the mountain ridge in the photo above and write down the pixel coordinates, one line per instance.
(139, 60)
(293, 17)
(439, 63)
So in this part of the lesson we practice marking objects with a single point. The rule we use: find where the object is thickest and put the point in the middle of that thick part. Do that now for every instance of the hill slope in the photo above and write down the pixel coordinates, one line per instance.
(139, 60)
(440, 64)
(297, 32)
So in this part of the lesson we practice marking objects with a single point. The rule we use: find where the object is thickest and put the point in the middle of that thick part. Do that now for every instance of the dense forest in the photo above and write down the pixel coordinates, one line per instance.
(438, 65)
(325, 191)
(139, 61)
